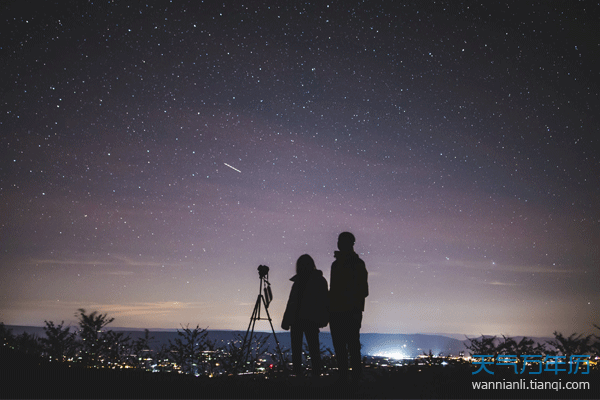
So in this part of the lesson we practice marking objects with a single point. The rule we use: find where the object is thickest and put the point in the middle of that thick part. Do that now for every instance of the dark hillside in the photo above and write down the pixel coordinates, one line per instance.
(29, 377)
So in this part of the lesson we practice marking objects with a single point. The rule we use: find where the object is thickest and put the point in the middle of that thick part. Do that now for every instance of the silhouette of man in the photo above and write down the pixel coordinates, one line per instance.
(347, 291)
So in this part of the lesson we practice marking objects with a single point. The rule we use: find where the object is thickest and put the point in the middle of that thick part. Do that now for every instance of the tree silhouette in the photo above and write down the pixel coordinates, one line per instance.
(28, 344)
(163, 356)
(326, 354)
(59, 343)
(525, 346)
(209, 360)
(254, 353)
(116, 347)
(572, 345)
(595, 347)
(186, 350)
(234, 353)
(93, 343)
(6, 336)
(240, 358)
(141, 345)
(482, 346)
(428, 357)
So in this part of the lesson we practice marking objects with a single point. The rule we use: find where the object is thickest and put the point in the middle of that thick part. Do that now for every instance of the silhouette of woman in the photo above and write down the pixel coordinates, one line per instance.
(307, 310)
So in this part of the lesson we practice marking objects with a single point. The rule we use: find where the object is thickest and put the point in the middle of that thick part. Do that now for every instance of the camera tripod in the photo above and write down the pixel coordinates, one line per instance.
(265, 300)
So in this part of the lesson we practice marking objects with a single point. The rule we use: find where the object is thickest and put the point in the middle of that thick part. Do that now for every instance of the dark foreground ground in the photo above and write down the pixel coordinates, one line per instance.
(34, 380)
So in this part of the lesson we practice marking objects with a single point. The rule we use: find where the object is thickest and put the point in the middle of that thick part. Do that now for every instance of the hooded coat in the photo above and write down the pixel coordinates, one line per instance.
(308, 300)
(348, 284)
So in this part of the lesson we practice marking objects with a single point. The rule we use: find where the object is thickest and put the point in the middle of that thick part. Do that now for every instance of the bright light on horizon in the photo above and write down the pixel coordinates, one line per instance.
(395, 354)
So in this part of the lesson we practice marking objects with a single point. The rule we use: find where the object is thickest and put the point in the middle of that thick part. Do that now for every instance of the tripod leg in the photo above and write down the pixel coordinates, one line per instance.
(253, 318)
(281, 360)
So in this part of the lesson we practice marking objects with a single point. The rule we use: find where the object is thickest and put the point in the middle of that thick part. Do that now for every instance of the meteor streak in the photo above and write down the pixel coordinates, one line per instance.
(233, 168)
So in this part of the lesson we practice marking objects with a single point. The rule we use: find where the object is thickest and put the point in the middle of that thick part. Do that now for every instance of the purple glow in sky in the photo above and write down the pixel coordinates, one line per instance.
(155, 154)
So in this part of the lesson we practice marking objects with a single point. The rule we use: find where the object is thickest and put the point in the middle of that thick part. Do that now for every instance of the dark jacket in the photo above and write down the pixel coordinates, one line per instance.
(348, 284)
(308, 300)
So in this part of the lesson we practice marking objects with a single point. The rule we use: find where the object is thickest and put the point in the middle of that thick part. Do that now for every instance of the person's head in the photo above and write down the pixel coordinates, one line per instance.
(305, 264)
(346, 241)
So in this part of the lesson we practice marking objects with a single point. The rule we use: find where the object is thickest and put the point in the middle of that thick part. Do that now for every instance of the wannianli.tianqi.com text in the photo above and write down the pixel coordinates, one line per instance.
(531, 384)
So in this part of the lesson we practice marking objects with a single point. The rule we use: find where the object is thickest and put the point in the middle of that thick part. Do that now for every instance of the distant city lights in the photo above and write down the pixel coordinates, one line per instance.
(395, 354)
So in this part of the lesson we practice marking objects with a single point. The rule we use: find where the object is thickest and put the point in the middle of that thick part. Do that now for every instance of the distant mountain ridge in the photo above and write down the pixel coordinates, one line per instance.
(399, 345)
(374, 344)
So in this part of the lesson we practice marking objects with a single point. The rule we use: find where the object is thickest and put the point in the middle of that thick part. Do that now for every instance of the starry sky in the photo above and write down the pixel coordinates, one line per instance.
(154, 154)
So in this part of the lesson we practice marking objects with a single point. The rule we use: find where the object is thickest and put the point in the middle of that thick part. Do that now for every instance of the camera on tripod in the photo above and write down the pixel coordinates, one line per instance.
(265, 300)
(263, 273)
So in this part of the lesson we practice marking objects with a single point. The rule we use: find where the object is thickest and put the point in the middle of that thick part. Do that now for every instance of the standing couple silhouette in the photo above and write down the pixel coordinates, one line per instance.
(312, 306)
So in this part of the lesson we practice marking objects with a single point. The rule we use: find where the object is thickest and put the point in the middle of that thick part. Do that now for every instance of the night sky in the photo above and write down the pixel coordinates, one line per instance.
(155, 154)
